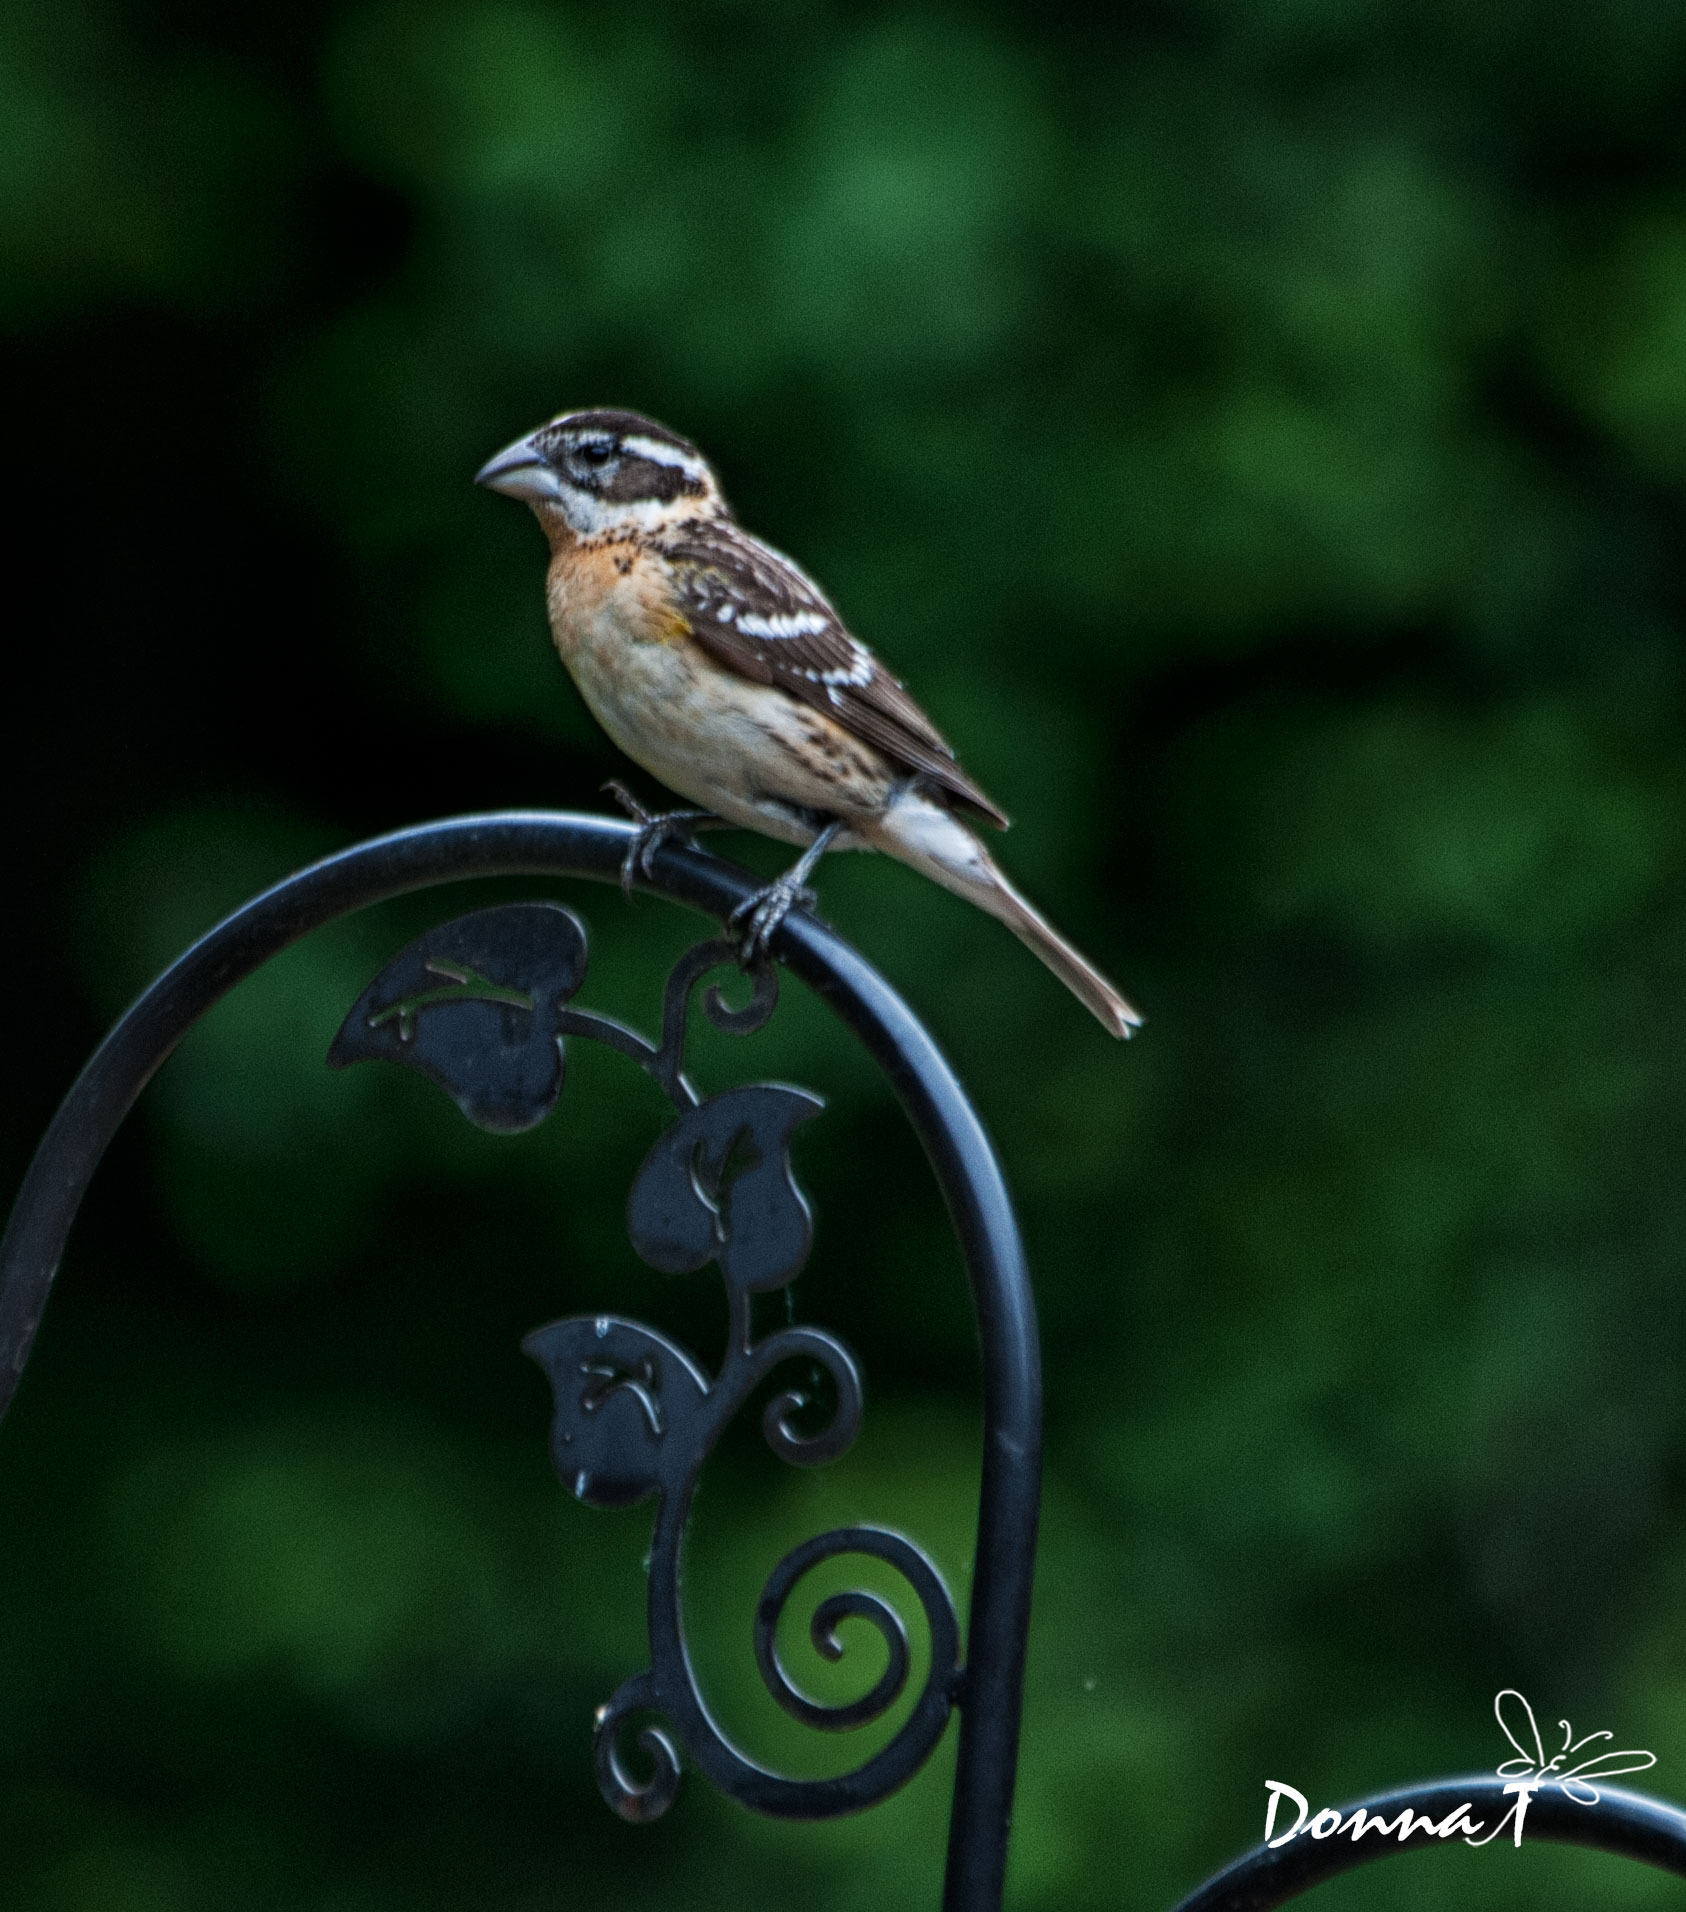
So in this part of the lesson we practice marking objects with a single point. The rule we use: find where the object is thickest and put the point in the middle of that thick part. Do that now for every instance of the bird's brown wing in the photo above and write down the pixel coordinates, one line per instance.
(757, 613)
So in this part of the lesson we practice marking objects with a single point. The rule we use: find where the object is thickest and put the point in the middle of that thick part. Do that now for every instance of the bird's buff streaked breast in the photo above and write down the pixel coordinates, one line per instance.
(604, 597)
(744, 750)
(625, 644)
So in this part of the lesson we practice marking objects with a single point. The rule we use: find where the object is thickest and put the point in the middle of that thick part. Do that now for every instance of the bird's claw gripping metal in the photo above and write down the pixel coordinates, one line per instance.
(654, 829)
(757, 917)
(762, 913)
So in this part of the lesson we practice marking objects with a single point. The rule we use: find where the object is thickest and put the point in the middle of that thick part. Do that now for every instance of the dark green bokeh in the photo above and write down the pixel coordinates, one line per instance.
(1257, 429)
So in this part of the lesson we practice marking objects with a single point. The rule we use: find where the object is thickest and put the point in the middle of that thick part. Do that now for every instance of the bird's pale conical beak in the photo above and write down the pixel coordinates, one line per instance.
(520, 471)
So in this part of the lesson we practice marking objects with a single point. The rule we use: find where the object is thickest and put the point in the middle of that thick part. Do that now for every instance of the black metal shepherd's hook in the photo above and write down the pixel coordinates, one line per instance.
(480, 1005)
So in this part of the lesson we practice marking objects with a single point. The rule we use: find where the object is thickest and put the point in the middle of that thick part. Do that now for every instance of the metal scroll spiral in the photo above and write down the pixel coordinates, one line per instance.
(482, 1006)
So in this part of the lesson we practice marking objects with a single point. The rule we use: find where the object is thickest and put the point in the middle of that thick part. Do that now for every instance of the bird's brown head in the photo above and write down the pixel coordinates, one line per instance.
(587, 474)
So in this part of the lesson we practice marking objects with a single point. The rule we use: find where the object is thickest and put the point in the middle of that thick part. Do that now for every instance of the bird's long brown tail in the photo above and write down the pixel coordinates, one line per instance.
(930, 839)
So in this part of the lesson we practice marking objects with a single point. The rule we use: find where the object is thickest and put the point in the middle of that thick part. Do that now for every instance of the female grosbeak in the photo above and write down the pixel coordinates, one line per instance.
(720, 667)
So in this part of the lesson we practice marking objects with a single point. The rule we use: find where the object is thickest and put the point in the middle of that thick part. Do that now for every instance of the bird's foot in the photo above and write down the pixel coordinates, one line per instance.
(757, 917)
(762, 913)
(654, 829)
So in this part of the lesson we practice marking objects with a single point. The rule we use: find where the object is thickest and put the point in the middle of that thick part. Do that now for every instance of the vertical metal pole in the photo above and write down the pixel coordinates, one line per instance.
(1010, 1492)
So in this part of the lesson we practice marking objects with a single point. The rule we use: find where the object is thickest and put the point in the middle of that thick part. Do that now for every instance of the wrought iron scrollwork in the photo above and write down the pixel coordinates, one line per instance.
(482, 1007)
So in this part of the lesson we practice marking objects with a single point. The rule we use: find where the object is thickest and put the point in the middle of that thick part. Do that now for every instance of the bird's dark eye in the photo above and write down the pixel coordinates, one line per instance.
(597, 456)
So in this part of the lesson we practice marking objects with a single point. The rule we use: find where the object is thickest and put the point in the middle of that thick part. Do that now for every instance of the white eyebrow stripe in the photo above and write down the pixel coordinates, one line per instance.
(660, 454)
(785, 624)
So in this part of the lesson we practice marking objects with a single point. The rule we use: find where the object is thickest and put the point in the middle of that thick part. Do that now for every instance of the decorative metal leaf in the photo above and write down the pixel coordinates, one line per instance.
(474, 1006)
(626, 1406)
(718, 1186)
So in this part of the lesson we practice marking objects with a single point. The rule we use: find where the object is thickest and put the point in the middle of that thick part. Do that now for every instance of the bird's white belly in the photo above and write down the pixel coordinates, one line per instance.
(749, 752)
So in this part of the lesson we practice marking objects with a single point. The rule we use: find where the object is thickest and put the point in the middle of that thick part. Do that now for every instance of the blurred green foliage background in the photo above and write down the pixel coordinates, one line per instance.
(1257, 429)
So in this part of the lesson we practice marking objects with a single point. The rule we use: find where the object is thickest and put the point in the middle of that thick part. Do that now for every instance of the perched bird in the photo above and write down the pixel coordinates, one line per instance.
(721, 668)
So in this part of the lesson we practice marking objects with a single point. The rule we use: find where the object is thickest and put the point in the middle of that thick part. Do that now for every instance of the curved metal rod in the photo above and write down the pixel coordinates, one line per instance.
(532, 843)
(1627, 1823)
